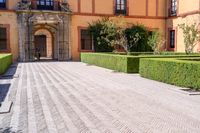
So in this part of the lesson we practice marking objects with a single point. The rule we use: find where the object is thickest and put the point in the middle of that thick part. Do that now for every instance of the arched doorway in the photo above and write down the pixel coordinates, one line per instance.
(43, 42)
(52, 25)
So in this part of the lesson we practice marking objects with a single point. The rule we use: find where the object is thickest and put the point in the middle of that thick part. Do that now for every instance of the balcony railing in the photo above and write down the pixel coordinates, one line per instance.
(3, 5)
(55, 5)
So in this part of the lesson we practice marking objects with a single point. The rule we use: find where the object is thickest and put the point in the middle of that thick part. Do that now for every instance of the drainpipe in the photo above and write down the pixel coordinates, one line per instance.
(199, 12)
(166, 22)
(63, 38)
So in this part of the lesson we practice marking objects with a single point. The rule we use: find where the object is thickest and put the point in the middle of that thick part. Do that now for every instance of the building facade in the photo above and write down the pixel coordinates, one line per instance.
(58, 27)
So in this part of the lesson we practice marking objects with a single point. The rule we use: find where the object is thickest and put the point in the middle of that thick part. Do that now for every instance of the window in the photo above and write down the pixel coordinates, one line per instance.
(3, 38)
(172, 39)
(45, 4)
(2, 3)
(173, 8)
(86, 40)
(120, 7)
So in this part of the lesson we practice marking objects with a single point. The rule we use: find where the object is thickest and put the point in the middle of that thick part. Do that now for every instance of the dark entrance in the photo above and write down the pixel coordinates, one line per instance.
(41, 44)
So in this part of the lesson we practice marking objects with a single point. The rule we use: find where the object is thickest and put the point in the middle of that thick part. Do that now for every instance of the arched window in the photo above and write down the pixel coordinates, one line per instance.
(45, 4)
(2, 3)
(120, 7)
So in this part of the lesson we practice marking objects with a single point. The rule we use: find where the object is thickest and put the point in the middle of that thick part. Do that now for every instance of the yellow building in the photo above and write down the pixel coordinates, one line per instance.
(57, 28)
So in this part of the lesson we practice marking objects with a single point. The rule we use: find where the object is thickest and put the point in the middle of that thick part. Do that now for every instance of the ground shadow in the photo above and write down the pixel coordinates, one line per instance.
(8, 130)
(10, 73)
(8, 76)
(3, 91)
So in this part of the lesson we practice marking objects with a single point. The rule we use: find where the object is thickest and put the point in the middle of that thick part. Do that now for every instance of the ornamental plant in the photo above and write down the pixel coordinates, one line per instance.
(156, 41)
(133, 33)
(103, 32)
(121, 38)
(191, 36)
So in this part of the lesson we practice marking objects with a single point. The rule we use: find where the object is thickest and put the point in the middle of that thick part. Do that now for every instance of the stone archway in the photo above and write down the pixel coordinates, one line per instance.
(47, 42)
(57, 23)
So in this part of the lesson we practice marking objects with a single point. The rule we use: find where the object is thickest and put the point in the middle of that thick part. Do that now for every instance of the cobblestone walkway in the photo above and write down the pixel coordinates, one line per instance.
(73, 97)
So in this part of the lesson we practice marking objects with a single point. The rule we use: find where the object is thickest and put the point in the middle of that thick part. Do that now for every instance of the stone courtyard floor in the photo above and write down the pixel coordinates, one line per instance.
(50, 97)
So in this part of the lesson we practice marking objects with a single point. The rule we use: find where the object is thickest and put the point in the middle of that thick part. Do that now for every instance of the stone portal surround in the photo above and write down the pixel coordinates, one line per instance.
(56, 22)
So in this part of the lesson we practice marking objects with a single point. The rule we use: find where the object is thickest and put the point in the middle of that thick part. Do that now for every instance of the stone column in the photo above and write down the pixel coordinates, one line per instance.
(64, 41)
(22, 36)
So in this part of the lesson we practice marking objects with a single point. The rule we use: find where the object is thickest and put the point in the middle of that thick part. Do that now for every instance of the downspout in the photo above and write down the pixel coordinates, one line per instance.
(199, 12)
(63, 38)
(166, 22)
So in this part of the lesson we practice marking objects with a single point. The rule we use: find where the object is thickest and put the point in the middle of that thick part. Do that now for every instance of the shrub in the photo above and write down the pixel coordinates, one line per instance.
(191, 36)
(103, 32)
(173, 71)
(121, 63)
(156, 42)
(5, 62)
(141, 45)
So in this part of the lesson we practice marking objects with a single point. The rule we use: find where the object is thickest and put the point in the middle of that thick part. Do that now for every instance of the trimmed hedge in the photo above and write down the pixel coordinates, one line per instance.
(121, 63)
(151, 53)
(5, 62)
(177, 72)
(110, 61)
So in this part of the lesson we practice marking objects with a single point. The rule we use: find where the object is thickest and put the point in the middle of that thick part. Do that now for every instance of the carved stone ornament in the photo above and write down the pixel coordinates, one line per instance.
(24, 5)
(65, 6)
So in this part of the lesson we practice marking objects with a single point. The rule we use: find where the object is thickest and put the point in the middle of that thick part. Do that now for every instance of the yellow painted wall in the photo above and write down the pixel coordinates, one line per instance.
(104, 7)
(86, 6)
(188, 5)
(162, 8)
(152, 8)
(11, 19)
(184, 7)
(137, 7)
(73, 5)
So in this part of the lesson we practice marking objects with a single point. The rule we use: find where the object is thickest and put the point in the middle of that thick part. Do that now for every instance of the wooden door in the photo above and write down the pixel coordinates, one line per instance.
(41, 44)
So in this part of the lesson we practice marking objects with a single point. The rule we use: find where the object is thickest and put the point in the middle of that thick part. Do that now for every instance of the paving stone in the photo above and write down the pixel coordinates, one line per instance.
(76, 98)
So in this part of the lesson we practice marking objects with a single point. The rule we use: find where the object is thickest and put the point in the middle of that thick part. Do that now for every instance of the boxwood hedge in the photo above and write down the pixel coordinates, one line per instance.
(184, 73)
(5, 62)
(121, 63)
(151, 53)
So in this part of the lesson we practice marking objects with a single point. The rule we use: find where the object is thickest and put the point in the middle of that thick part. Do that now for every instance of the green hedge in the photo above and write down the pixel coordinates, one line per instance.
(5, 62)
(110, 61)
(151, 53)
(121, 63)
(178, 72)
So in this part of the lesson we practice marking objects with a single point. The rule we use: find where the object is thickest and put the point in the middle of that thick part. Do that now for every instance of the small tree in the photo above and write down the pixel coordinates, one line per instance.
(156, 42)
(103, 32)
(134, 32)
(121, 40)
(191, 36)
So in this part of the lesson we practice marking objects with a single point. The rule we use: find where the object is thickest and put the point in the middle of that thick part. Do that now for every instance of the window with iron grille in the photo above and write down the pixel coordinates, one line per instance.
(172, 39)
(3, 38)
(86, 40)
(45, 4)
(173, 8)
(2, 3)
(120, 7)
